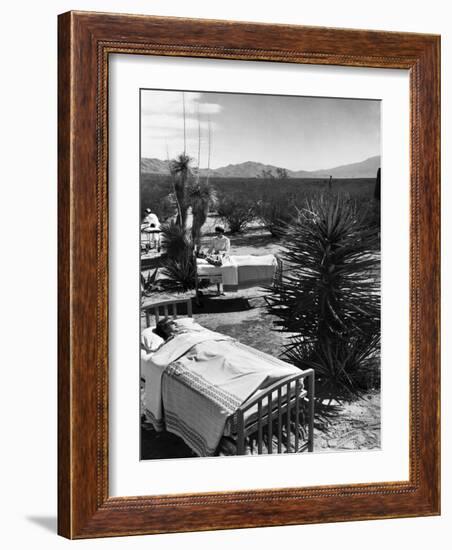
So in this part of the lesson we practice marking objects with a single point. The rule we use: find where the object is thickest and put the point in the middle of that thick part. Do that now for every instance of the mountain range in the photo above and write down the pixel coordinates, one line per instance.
(250, 169)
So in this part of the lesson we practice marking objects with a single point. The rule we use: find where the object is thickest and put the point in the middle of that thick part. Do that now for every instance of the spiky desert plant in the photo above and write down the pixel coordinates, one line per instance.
(180, 272)
(180, 170)
(175, 239)
(149, 284)
(201, 197)
(179, 269)
(328, 298)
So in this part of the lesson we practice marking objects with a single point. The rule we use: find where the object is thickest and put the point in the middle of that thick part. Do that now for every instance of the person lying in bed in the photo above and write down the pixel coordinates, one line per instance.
(166, 328)
(153, 338)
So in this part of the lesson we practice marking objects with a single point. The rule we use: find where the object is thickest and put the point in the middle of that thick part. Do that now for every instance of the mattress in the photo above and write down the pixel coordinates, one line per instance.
(240, 271)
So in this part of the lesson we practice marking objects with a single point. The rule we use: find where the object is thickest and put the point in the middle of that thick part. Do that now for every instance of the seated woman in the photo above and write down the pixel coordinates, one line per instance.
(151, 227)
(220, 244)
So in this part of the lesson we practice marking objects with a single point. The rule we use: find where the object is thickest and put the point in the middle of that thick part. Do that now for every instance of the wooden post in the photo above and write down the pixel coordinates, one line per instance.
(297, 411)
(270, 427)
(240, 434)
(311, 412)
(288, 418)
(259, 427)
(279, 422)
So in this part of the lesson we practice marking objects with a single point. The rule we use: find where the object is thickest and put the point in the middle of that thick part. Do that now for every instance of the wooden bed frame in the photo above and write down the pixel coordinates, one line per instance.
(278, 408)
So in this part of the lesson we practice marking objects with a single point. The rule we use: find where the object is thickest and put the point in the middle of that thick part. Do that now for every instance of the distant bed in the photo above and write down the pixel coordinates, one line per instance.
(239, 272)
(221, 396)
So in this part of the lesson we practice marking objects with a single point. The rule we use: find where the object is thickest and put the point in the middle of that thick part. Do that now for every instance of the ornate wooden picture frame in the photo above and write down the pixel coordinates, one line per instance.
(86, 41)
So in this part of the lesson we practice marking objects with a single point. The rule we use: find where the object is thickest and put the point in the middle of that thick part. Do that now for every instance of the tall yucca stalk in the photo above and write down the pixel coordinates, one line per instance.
(328, 297)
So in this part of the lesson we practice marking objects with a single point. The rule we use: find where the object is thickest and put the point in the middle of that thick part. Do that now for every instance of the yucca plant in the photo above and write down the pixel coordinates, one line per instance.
(179, 269)
(180, 272)
(149, 284)
(328, 298)
(180, 170)
(201, 197)
(175, 239)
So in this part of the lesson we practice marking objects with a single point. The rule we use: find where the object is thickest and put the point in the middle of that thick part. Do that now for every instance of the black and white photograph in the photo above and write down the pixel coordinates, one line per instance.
(259, 250)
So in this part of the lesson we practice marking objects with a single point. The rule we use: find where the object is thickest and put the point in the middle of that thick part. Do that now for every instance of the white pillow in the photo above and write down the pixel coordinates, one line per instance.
(151, 341)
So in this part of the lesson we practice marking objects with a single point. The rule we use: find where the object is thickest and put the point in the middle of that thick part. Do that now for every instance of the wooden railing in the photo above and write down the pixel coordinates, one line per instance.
(166, 309)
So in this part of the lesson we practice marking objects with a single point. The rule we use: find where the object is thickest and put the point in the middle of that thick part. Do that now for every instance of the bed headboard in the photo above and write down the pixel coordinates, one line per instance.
(168, 308)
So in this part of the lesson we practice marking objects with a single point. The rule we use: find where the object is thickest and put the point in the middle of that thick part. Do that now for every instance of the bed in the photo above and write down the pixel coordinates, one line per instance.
(221, 396)
(238, 272)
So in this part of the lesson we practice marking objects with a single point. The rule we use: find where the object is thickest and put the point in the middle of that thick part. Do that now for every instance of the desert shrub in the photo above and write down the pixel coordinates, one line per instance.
(328, 298)
(370, 209)
(276, 211)
(236, 211)
(178, 263)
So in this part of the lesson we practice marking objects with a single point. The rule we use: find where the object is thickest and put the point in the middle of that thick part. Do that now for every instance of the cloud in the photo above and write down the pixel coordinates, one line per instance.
(157, 102)
(209, 108)
(170, 122)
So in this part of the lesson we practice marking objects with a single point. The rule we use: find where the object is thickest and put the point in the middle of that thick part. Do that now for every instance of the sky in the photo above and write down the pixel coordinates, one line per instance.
(297, 133)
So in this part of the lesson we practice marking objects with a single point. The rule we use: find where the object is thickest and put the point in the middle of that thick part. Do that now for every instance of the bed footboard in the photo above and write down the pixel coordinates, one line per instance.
(276, 412)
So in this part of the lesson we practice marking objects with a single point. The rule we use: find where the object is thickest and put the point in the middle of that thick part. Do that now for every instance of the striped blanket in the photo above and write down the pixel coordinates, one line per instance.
(197, 381)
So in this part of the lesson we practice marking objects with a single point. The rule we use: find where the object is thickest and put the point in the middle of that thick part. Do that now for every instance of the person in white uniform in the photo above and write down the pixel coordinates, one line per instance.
(151, 226)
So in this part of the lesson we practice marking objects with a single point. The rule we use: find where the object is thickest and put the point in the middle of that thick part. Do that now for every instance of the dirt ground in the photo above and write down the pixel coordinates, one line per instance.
(356, 427)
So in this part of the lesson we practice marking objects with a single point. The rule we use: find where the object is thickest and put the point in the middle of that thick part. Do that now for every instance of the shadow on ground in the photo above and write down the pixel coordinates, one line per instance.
(156, 445)
(209, 304)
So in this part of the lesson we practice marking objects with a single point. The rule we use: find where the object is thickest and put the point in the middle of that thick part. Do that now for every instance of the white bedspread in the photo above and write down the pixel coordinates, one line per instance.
(248, 267)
